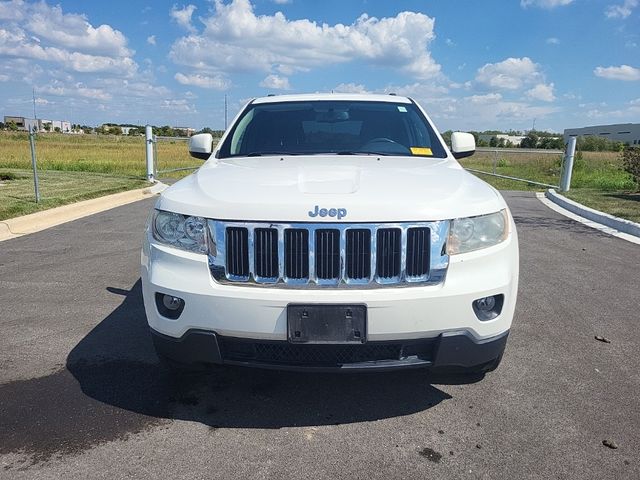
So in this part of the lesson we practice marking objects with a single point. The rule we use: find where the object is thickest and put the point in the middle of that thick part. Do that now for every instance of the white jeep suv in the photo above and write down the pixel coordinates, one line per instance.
(331, 232)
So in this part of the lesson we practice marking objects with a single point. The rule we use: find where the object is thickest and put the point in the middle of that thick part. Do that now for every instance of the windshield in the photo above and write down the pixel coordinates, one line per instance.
(332, 127)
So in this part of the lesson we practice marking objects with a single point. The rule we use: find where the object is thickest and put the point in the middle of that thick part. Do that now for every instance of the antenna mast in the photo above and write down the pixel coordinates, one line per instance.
(35, 117)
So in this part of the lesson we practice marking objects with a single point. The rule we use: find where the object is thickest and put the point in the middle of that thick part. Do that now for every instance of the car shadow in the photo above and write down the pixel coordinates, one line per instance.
(116, 364)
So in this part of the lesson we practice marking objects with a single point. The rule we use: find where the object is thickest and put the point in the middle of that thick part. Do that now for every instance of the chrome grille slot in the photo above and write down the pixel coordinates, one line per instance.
(358, 252)
(417, 252)
(237, 243)
(329, 255)
(389, 252)
(327, 251)
(296, 247)
(266, 253)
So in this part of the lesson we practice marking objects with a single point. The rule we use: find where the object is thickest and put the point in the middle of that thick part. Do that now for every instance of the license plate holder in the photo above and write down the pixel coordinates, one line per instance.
(327, 324)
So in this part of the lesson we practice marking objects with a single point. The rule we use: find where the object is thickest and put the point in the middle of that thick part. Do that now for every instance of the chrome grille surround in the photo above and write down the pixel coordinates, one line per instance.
(435, 274)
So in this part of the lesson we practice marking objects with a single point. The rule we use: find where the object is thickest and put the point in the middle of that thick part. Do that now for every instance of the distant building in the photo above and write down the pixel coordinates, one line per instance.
(627, 133)
(186, 131)
(515, 140)
(38, 125)
(24, 124)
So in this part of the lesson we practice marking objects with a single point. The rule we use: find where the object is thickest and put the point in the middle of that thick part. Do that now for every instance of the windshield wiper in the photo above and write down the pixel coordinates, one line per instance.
(355, 152)
(266, 153)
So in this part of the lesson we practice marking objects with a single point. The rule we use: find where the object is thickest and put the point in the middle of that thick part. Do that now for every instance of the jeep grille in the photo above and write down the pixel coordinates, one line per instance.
(308, 255)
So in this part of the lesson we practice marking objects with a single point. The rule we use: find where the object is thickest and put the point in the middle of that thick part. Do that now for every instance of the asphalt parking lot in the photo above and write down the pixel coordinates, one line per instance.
(82, 394)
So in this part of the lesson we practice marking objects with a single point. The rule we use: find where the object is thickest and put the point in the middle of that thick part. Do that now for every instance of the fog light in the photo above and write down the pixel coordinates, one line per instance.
(488, 308)
(171, 302)
(169, 306)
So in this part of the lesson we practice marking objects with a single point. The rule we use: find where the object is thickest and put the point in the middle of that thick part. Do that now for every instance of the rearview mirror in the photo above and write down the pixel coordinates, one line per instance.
(462, 144)
(201, 146)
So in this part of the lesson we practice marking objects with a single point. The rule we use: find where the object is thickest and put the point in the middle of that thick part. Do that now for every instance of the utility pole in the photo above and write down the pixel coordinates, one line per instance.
(225, 111)
(32, 134)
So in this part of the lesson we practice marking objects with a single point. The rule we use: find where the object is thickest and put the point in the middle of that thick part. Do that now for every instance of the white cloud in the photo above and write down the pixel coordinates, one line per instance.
(635, 102)
(18, 44)
(510, 74)
(623, 72)
(182, 16)
(13, 10)
(553, 41)
(484, 99)
(4, 78)
(45, 33)
(178, 105)
(541, 91)
(42, 101)
(282, 2)
(236, 40)
(276, 82)
(621, 11)
(544, 3)
(351, 88)
(216, 82)
(151, 39)
(73, 31)
(77, 90)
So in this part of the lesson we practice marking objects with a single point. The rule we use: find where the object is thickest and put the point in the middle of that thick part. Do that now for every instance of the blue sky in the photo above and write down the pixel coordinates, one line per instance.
(474, 65)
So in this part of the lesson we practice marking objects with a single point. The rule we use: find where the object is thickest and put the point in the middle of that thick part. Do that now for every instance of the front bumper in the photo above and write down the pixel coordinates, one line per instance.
(439, 319)
(452, 349)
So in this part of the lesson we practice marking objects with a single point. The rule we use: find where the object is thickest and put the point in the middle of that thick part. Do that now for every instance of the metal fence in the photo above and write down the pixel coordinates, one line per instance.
(163, 161)
(545, 168)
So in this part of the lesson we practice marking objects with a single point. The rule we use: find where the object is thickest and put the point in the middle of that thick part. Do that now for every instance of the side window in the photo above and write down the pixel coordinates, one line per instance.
(238, 134)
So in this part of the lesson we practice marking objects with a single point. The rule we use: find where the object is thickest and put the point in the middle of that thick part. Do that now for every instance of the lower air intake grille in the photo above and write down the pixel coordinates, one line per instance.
(280, 352)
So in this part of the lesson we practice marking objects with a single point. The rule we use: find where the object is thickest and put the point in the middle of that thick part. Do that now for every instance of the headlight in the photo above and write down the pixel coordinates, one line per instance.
(180, 231)
(474, 233)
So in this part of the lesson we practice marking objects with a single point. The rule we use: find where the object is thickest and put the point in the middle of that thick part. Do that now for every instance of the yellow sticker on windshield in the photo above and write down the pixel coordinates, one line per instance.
(421, 151)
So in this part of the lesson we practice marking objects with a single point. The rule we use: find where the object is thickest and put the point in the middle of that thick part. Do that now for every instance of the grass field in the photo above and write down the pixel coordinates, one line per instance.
(116, 155)
(75, 167)
(595, 170)
(56, 188)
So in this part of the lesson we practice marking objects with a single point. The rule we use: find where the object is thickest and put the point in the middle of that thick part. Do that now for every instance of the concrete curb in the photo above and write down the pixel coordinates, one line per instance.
(35, 222)
(620, 224)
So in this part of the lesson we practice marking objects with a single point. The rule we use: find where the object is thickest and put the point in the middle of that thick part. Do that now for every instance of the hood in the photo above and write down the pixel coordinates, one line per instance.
(362, 188)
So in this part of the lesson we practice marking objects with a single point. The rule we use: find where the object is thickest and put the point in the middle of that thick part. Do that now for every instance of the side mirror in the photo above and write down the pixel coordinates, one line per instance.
(462, 144)
(201, 146)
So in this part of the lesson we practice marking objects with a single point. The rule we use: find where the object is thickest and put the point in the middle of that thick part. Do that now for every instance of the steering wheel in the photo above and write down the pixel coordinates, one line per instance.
(382, 140)
(385, 145)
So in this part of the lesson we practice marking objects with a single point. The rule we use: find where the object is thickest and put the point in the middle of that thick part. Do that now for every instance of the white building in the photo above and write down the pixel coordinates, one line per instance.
(514, 139)
(627, 133)
(38, 125)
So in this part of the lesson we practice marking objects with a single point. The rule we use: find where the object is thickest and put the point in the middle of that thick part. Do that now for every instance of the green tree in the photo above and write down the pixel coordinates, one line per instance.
(530, 141)
(446, 136)
(631, 163)
(12, 126)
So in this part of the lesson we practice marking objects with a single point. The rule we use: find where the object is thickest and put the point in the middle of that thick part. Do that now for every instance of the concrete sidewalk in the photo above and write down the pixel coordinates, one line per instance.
(16, 227)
